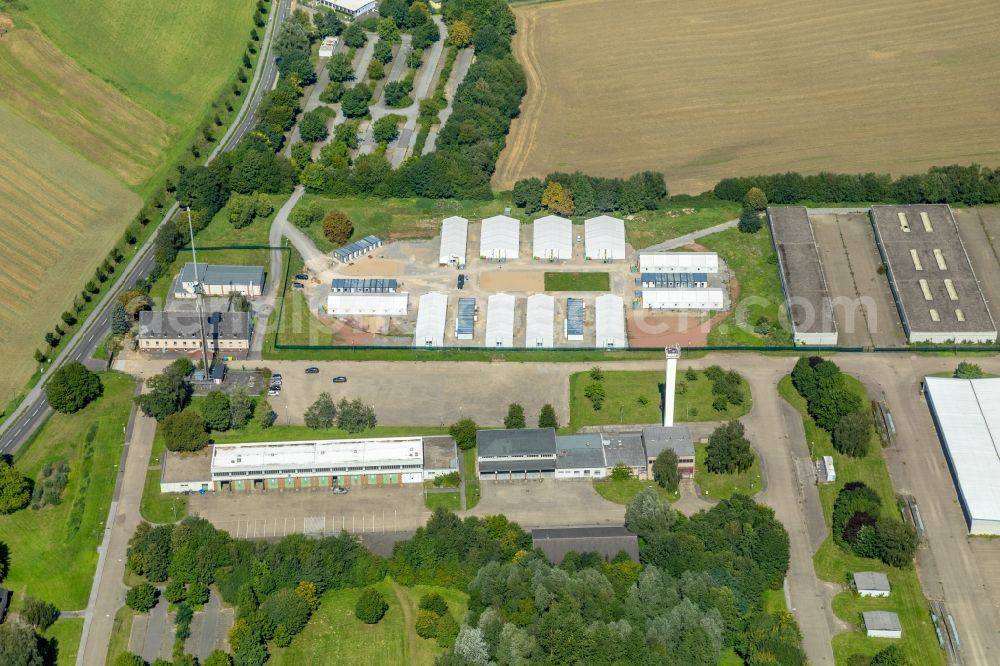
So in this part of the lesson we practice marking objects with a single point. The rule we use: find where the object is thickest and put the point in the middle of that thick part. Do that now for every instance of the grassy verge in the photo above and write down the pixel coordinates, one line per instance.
(582, 281)
(774, 601)
(636, 397)
(752, 259)
(64, 636)
(333, 629)
(53, 551)
(676, 217)
(472, 489)
(624, 491)
(157, 507)
(451, 500)
(121, 629)
(833, 564)
(724, 486)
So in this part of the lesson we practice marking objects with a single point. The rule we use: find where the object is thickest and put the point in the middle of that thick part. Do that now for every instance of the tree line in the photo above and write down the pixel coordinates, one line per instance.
(970, 185)
(580, 194)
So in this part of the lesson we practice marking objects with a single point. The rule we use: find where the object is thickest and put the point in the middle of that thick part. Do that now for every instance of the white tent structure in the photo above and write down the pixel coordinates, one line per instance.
(500, 321)
(683, 299)
(553, 238)
(454, 237)
(609, 312)
(500, 238)
(605, 238)
(540, 321)
(357, 303)
(432, 311)
(678, 262)
(966, 413)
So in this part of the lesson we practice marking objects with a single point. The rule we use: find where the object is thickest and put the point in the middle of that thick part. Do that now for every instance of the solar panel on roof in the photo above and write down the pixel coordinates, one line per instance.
(466, 316)
(574, 316)
(674, 280)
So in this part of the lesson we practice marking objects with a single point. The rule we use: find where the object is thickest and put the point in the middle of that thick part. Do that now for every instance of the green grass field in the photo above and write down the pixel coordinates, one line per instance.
(832, 563)
(50, 559)
(724, 486)
(472, 489)
(751, 257)
(583, 281)
(676, 217)
(624, 491)
(334, 631)
(146, 49)
(64, 636)
(157, 507)
(451, 501)
(623, 405)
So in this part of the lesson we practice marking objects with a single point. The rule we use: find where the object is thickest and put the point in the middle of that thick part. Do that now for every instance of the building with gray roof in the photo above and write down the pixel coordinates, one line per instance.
(677, 438)
(181, 331)
(555, 543)
(357, 249)
(625, 448)
(220, 280)
(521, 453)
(575, 317)
(580, 456)
(882, 624)
(872, 584)
(465, 320)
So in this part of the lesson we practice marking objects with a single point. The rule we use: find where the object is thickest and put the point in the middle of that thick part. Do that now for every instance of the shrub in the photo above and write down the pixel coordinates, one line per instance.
(621, 472)
(129, 659)
(371, 606)
(853, 434)
(141, 598)
(464, 433)
(15, 488)
(433, 602)
(596, 394)
(446, 631)
(449, 480)
(966, 370)
(426, 623)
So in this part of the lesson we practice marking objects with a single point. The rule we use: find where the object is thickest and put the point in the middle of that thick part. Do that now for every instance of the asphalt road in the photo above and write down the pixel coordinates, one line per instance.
(34, 409)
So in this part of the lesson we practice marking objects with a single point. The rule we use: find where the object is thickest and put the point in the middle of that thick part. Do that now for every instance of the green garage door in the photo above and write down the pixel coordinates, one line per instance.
(272, 484)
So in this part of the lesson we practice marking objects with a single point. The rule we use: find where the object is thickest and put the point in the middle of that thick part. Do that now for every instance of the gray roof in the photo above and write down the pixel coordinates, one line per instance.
(364, 285)
(521, 465)
(871, 580)
(179, 325)
(673, 280)
(515, 443)
(218, 274)
(364, 245)
(608, 541)
(466, 316)
(579, 452)
(625, 448)
(575, 315)
(881, 621)
(658, 438)
(440, 453)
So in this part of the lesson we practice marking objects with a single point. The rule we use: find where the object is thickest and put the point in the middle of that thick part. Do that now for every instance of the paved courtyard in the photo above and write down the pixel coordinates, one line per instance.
(548, 503)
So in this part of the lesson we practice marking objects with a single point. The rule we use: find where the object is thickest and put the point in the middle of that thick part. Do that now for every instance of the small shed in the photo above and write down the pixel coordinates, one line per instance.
(500, 238)
(500, 320)
(555, 543)
(604, 238)
(882, 624)
(827, 470)
(553, 238)
(540, 325)
(454, 238)
(432, 311)
(872, 584)
(610, 322)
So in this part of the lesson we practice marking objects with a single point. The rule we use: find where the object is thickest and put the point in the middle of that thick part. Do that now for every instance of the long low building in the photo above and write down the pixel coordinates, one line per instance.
(320, 464)
(219, 280)
(553, 238)
(500, 238)
(966, 414)
(387, 304)
(604, 238)
(540, 321)
(351, 7)
(683, 299)
(432, 312)
(357, 249)
(608, 541)
(678, 262)
(454, 240)
(181, 331)
(500, 320)
(609, 314)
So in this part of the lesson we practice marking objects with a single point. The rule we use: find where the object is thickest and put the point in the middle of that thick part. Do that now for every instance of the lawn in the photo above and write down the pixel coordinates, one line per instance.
(64, 636)
(157, 507)
(724, 486)
(752, 259)
(53, 556)
(624, 491)
(625, 389)
(676, 217)
(450, 500)
(333, 630)
(472, 488)
(572, 281)
(121, 630)
(834, 564)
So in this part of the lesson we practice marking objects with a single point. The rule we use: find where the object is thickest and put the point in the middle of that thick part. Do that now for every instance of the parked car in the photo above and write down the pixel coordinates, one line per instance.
(276, 377)
(339, 490)
(301, 276)
(339, 380)
(273, 391)
(298, 285)
(312, 371)
(461, 281)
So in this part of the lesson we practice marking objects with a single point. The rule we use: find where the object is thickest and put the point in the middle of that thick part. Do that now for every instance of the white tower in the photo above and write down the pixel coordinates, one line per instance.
(673, 353)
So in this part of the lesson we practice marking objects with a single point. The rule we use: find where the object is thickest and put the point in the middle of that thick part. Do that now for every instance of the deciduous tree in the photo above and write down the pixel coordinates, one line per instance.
(464, 433)
(72, 387)
(515, 416)
(15, 488)
(459, 34)
(184, 431)
(371, 606)
(355, 416)
(39, 614)
(557, 199)
(755, 199)
(306, 214)
(322, 413)
(728, 450)
(665, 470)
(141, 598)
(337, 227)
(264, 415)
(386, 128)
(312, 126)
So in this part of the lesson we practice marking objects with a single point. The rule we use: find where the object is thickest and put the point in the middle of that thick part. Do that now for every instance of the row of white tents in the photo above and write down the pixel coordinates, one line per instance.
(432, 317)
(500, 239)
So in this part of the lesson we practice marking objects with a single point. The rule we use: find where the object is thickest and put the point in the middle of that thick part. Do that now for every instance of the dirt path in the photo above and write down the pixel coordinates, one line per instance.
(525, 126)
(411, 627)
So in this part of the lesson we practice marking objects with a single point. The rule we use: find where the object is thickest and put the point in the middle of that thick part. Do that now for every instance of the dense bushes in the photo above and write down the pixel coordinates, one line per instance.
(728, 450)
(371, 606)
(828, 398)
(858, 528)
(50, 484)
(72, 388)
(141, 598)
(970, 185)
(727, 387)
(15, 488)
(578, 193)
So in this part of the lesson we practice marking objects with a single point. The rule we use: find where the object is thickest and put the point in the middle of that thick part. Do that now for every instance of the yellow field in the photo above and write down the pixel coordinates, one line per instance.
(59, 216)
(702, 89)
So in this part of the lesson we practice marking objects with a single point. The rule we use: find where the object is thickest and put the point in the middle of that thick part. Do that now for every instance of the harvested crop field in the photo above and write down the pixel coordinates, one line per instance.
(706, 89)
(59, 216)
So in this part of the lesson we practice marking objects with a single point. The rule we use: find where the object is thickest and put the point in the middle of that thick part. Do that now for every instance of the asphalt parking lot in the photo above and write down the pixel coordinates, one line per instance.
(548, 503)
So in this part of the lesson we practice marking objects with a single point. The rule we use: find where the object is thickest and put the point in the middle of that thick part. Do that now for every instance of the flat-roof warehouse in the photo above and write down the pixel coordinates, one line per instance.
(803, 279)
(966, 413)
(930, 275)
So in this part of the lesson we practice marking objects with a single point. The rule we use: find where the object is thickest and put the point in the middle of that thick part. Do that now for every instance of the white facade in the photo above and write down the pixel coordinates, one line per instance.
(500, 238)
(683, 299)
(954, 337)
(609, 312)
(604, 238)
(966, 413)
(882, 624)
(553, 238)
(327, 47)
(389, 305)
(678, 262)
(872, 584)
(454, 239)
(432, 312)
(540, 321)
(500, 321)
(352, 7)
